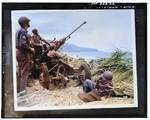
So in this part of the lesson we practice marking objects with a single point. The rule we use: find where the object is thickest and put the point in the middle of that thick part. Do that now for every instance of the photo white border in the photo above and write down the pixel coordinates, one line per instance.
(16, 108)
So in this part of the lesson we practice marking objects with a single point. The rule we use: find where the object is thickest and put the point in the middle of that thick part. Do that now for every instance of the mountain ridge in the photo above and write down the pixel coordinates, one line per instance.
(68, 47)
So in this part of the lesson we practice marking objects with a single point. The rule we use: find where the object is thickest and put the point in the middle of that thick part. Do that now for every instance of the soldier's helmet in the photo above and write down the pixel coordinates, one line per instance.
(23, 20)
(34, 31)
(108, 75)
(52, 46)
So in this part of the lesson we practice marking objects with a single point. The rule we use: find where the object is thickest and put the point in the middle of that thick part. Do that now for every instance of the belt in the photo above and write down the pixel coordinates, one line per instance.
(22, 49)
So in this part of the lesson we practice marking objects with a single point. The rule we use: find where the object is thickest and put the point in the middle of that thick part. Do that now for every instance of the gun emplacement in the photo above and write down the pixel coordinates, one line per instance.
(53, 69)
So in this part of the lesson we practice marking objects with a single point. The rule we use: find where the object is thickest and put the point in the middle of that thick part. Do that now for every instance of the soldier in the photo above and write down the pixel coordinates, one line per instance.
(29, 38)
(94, 91)
(31, 55)
(23, 53)
(36, 42)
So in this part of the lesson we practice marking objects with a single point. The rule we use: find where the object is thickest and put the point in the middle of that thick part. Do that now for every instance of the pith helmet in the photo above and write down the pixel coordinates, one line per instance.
(108, 75)
(34, 30)
(23, 21)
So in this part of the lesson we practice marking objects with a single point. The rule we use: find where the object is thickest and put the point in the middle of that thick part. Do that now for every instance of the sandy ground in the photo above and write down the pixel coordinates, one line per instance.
(39, 97)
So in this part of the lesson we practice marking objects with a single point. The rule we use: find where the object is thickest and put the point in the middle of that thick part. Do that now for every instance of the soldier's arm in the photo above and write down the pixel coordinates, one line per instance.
(24, 41)
(106, 86)
(35, 44)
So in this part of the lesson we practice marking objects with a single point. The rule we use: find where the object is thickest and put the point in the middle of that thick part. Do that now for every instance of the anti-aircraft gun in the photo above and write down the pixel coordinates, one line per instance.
(53, 70)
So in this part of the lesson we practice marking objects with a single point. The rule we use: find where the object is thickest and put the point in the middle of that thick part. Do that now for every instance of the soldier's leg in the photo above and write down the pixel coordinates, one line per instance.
(88, 86)
(19, 70)
(18, 78)
(24, 60)
(24, 73)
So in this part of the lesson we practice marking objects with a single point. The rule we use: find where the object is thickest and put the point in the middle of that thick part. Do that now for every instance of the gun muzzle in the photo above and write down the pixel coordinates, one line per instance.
(84, 22)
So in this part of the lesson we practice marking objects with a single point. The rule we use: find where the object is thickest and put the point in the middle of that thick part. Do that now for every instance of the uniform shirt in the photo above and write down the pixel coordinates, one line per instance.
(22, 39)
(35, 40)
(104, 87)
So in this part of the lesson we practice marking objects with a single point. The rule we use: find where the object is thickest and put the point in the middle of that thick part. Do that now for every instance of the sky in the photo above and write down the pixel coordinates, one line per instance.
(104, 30)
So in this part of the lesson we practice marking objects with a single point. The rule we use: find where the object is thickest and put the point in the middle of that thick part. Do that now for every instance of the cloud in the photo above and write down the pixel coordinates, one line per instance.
(104, 30)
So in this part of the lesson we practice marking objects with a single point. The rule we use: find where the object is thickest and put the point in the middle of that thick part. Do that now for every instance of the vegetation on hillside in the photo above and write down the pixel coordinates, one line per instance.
(116, 63)
(120, 66)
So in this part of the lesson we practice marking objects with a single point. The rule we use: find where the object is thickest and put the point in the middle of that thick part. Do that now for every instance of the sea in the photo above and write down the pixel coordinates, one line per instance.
(88, 55)
(93, 55)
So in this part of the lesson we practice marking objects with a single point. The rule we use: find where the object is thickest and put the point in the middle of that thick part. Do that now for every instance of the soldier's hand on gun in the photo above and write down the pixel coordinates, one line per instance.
(40, 44)
(32, 50)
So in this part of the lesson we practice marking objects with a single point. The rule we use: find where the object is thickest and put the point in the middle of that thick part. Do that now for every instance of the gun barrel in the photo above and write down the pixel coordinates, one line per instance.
(76, 29)
(62, 41)
(45, 41)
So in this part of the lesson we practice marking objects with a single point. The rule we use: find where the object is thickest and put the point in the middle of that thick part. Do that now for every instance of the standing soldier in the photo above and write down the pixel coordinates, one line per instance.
(36, 42)
(29, 39)
(23, 53)
(31, 55)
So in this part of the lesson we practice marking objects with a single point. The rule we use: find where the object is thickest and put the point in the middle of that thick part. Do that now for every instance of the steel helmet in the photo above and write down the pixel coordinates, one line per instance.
(52, 46)
(23, 21)
(107, 75)
(34, 31)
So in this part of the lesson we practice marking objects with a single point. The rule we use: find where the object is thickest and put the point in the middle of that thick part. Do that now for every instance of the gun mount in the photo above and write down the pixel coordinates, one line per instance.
(53, 70)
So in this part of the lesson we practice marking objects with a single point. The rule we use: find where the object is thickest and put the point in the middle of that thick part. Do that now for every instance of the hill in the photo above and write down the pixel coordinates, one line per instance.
(68, 47)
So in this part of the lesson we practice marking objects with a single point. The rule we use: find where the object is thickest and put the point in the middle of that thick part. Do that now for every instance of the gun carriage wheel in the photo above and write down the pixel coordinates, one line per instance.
(85, 72)
(44, 77)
